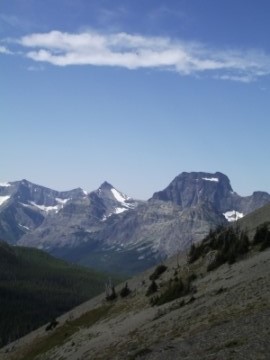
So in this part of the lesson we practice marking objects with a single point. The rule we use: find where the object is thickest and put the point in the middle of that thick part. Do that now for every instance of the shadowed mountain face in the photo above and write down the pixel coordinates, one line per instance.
(108, 230)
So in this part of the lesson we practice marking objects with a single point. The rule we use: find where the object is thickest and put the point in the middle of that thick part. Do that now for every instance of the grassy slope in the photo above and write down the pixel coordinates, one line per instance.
(228, 318)
(251, 221)
(35, 287)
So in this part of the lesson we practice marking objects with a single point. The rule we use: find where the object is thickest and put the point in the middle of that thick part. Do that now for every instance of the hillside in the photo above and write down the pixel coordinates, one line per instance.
(199, 313)
(251, 221)
(35, 288)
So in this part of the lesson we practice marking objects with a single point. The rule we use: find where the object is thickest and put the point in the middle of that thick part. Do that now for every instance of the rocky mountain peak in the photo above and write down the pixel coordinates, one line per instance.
(105, 185)
(114, 201)
(109, 192)
(190, 189)
(24, 206)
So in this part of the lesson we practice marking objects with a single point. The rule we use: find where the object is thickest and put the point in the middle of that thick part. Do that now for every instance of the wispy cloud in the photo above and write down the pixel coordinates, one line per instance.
(136, 51)
(10, 20)
(35, 68)
(17, 22)
(4, 50)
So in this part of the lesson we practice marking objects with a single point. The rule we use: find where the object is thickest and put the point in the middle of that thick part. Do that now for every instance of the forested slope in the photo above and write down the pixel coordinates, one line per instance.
(36, 287)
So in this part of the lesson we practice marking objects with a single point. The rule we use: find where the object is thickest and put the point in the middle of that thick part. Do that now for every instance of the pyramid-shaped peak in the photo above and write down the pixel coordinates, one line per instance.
(106, 185)
(106, 190)
(25, 182)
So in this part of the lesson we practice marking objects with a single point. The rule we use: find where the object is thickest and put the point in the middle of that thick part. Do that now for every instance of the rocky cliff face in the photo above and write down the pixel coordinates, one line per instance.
(24, 206)
(192, 189)
(79, 219)
(250, 203)
(161, 226)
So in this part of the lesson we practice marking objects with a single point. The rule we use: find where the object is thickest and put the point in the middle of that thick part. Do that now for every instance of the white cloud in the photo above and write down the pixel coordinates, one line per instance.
(136, 51)
(4, 50)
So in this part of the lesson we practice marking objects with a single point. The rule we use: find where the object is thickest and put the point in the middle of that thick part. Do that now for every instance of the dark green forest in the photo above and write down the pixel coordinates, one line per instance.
(36, 288)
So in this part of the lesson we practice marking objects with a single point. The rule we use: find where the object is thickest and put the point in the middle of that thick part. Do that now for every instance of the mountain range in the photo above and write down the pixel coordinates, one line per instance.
(24, 206)
(110, 231)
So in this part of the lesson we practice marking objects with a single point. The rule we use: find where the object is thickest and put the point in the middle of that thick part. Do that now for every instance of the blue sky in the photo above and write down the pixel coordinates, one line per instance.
(134, 92)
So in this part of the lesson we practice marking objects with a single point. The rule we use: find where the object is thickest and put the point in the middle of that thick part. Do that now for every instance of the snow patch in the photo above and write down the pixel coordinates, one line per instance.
(25, 227)
(5, 184)
(55, 208)
(45, 208)
(62, 201)
(129, 205)
(119, 210)
(233, 215)
(3, 199)
(88, 230)
(142, 248)
(211, 179)
(26, 205)
(118, 196)
(116, 211)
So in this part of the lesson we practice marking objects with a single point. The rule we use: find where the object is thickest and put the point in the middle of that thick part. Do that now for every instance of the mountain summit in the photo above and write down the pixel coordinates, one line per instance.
(80, 219)
(115, 201)
(24, 206)
(191, 189)
(195, 188)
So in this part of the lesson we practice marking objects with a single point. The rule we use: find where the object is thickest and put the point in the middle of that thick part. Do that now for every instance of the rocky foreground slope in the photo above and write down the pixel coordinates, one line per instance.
(224, 315)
